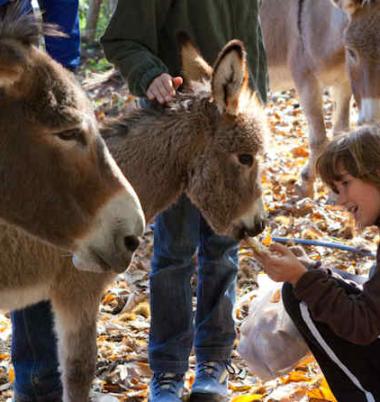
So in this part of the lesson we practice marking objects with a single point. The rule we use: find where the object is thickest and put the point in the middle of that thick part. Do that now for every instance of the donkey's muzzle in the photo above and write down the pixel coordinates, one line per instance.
(253, 231)
(257, 229)
(116, 258)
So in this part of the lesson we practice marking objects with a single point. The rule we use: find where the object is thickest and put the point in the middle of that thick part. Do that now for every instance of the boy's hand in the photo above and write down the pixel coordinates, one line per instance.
(280, 263)
(163, 88)
(300, 253)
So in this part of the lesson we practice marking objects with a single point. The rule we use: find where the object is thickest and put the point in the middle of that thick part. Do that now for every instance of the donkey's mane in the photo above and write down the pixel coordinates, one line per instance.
(26, 28)
(200, 93)
(197, 101)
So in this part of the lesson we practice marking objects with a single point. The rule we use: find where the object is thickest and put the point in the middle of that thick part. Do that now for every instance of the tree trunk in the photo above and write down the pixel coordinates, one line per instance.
(92, 20)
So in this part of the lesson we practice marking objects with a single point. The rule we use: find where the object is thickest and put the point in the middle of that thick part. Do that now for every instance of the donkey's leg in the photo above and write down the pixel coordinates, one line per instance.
(76, 332)
(342, 97)
(310, 95)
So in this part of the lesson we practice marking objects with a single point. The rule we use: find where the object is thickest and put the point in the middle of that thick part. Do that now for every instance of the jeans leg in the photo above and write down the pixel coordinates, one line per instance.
(354, 370)
(34, 355)
(171, 331)
(218, 265)
(25, 7)
(63, 13)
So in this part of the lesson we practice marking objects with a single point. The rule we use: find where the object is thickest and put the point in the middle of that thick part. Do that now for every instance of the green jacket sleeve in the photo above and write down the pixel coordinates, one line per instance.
(131, 41)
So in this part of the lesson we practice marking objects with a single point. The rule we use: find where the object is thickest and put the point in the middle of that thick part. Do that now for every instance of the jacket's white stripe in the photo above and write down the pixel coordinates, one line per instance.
(309, 322)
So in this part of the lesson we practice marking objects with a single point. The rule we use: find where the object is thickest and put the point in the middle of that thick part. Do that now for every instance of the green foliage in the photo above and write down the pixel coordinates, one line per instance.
(104, 16)
(83, 8)
(98, 65)
(93, 59)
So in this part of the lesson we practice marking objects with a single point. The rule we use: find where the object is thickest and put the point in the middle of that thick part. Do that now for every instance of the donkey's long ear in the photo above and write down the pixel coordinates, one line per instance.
(194, 67)
(230, 77)
(351, 6)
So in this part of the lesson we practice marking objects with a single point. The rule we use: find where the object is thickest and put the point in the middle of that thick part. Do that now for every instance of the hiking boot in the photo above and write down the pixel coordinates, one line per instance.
(166, 387)
(211, 382)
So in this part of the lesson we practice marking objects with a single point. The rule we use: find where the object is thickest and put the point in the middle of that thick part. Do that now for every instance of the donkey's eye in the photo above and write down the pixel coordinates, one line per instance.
(352, 54)
(246, 159)
(68, 135)
(72, 135)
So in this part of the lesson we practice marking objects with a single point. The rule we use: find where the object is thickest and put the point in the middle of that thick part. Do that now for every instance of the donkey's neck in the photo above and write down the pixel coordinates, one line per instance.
(155, 148)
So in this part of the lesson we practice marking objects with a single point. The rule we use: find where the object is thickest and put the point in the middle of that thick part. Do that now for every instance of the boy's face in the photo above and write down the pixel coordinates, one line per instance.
(360, 198)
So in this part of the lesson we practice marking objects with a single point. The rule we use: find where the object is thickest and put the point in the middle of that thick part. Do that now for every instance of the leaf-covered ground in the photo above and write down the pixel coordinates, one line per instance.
(122, 370)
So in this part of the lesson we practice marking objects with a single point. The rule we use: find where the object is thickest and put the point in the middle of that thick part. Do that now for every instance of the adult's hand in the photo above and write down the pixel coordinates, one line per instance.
(163, 88)
(280, 263)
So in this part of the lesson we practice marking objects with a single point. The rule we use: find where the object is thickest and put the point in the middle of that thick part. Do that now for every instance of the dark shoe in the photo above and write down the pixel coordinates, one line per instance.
(166, 387)
(211, 382)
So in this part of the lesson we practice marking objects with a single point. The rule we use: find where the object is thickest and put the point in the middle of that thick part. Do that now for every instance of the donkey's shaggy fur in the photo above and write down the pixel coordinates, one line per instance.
(206, 144)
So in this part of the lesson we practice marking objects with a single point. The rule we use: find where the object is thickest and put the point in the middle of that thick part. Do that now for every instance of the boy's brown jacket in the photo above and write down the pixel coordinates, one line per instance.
(353, 317)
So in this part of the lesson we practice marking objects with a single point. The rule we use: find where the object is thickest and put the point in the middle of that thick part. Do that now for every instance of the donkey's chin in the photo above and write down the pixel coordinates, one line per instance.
(95, 262)
(240, 231)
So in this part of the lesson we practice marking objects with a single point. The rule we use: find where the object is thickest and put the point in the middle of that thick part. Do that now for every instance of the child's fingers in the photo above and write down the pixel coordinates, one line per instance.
(282, 250)
(259, 254)
(167, 87)
(268, 259)
(298, 251)
(279, 248)
(177, 82)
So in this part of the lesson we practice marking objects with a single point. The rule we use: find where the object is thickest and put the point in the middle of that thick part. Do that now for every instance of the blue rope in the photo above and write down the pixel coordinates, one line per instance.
(340, 246)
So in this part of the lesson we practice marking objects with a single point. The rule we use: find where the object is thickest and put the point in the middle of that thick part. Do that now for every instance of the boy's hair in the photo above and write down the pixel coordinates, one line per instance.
(357, 153)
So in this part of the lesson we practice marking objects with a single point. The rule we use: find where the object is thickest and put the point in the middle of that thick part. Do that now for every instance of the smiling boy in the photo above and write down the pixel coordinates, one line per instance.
(339, 318)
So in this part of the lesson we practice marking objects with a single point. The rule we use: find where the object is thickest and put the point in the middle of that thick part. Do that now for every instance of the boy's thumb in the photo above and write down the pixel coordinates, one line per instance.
(177, 82)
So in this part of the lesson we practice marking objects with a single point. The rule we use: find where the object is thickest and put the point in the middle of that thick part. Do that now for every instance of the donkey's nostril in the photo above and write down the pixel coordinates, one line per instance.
(263, 225)
(260, 226)
(131, 242)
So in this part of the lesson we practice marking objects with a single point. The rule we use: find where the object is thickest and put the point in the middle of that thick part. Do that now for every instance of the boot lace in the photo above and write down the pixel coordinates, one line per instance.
(166, 381)
(213, 368)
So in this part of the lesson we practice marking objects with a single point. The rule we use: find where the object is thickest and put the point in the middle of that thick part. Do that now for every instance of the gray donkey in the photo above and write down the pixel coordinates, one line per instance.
(206, 143)
(312, 44)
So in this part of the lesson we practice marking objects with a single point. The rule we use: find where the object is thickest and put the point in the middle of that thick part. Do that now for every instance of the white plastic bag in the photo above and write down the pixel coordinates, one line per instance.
(270, 343)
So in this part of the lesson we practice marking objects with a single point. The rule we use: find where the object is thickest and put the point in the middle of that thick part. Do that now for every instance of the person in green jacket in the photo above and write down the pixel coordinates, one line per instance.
(141, 41)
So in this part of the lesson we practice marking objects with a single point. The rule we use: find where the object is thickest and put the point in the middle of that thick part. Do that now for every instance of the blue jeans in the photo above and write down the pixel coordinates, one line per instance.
(63, 13)
(178, 233)
(34, 355)
(26, 7)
